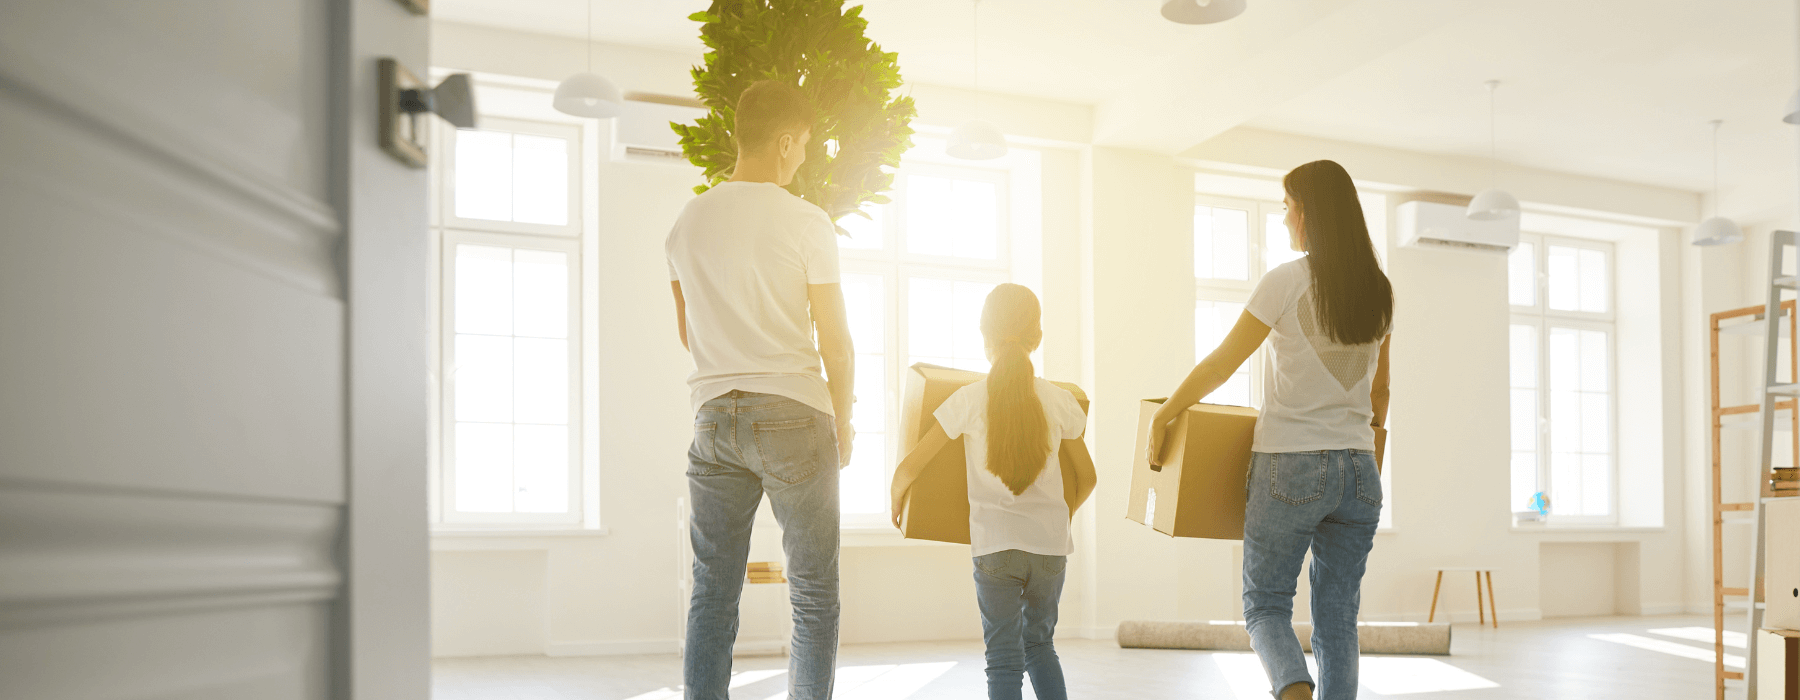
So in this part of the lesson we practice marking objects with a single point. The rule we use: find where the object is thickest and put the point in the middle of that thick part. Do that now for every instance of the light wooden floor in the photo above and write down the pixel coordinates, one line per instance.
(1635, 658)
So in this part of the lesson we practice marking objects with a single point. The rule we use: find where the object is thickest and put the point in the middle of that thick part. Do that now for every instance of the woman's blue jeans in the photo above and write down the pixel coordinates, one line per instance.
(1018, 593)
(1328, 502)
(747, 445)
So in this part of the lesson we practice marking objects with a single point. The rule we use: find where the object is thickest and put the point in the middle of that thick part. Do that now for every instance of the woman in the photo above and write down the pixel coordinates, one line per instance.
(1313, 481)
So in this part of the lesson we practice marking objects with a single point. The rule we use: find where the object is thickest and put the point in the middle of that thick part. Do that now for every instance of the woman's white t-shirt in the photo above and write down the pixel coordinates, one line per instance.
(1036, 521)
(1319, 396)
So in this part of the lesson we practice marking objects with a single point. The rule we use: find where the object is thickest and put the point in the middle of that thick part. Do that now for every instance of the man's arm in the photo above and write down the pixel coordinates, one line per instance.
(1378, 387)
(839, 356)
(680, 315)
(913, 465)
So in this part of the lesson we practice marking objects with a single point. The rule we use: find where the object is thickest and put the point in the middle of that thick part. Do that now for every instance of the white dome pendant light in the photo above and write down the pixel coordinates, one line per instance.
(1201, 11)
(1717, 230)
(976, 139)
(1493, 203)
(588, 94)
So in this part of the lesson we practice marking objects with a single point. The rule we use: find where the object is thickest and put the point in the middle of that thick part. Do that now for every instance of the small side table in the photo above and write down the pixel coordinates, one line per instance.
(1483, 612)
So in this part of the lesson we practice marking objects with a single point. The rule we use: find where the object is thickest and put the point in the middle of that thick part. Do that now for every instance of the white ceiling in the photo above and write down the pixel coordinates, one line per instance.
(1620, 89)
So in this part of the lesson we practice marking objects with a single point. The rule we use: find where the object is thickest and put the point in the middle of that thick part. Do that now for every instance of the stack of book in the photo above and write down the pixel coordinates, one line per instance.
(765, 572)
(1786, 479)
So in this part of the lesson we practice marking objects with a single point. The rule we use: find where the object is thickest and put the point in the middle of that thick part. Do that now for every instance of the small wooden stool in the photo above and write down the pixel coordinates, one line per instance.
(1483, 612)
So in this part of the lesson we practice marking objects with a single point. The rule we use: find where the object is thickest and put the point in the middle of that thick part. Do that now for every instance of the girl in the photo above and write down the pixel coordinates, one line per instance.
(1313, 481)
(1018, 510)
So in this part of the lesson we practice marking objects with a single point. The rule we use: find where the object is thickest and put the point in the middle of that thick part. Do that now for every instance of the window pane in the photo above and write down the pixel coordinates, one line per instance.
(483, 175)
(948, 217)
(870, 412)
(540, 293)
(861, 486)
(1593, 281)
(1594, 375)
(1565, 359)
(541, 469)
(483, 468)
(1595, 435)
(865, 234)
(1278, 247)
(540, 181)
(944, 322)
(1524, 479)
(1524, 356)
(484, 290)
(1221, 243)
(1213, 320)
(541, 381)
(1566, 484)
(865, 306)
(929, 229)
(1565, 278)
(1596, 485)
(977, 210)
(1565, 421)
(1521, 275)
(1524, 419)
(483, 378)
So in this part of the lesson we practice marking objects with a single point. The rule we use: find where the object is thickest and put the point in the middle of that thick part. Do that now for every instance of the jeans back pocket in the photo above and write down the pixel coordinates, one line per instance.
(1296, 478)
(703, 456)
(789, 448)
(1368, 478)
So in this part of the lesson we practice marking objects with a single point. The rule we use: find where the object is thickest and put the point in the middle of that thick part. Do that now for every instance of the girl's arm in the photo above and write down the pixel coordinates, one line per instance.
(1207, 377)
(1085, 478)
(1378, 387)
(913, 465)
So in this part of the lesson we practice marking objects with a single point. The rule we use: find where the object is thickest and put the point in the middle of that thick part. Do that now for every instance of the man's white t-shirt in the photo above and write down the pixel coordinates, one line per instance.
(1036, 521)
(744, 253)
(1319, 396)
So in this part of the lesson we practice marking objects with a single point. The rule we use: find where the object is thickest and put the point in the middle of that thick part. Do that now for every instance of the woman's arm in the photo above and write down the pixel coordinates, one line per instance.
(1207, 377)
(1378, 387)
(913, 465)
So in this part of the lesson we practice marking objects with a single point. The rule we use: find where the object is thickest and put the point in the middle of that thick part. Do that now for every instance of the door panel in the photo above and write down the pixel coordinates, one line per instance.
(175, 351)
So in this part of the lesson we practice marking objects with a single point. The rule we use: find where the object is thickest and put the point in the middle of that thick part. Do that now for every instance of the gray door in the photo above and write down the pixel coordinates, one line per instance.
(210, 419)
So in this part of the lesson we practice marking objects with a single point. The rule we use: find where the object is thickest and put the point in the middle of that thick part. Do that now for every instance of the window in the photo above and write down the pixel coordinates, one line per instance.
(1561, 373)
(1235, 242)
(509, 239)
(915, 275)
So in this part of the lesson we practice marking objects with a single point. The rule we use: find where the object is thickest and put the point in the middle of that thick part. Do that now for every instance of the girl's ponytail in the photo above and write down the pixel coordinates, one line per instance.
(1018, 433)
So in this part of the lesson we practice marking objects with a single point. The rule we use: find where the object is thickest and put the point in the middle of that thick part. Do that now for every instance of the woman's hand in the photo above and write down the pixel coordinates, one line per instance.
(1159, 433)
(897, 508)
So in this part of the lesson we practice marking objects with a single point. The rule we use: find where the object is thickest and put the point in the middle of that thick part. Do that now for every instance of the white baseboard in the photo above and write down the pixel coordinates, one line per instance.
(1669, 609)
(612, 648)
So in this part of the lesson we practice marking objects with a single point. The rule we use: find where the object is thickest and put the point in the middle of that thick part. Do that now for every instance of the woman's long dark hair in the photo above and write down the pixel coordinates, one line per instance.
(1355, 303)
(1018, 432)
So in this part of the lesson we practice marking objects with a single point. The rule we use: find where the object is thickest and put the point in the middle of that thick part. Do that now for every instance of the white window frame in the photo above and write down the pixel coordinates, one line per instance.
(1542, 318)
(895, 265)
(1238, 291)
(571, 248)
(447, 230)
(528, 127)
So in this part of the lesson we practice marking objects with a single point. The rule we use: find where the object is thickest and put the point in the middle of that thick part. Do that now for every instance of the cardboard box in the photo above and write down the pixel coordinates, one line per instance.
(1781, 565)
(1199, 491)
(937, 502)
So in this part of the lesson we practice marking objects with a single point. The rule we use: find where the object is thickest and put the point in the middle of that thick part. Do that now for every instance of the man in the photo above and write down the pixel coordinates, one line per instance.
(755, 272)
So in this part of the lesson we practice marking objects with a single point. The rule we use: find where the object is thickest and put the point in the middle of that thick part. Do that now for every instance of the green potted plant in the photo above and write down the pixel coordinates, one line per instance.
(862, 129)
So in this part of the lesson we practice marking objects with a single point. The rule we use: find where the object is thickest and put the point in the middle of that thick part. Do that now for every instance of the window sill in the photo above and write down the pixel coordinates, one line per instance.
(1585, 528)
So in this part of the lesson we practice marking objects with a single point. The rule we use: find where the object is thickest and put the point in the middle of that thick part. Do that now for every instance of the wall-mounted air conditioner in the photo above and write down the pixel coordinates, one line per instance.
(641, 133)
(1434, 225)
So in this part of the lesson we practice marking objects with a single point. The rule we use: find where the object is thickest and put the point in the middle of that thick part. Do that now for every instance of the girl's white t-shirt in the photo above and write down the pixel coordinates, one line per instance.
(1318, 398)
(1036, 521)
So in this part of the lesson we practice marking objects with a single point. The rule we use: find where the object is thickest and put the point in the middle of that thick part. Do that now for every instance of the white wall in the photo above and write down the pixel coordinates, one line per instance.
(1118, 298)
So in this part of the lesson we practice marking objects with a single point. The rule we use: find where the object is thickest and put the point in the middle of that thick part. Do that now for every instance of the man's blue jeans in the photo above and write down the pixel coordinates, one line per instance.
(745, 445)
(1330, 502)
(1018, 593)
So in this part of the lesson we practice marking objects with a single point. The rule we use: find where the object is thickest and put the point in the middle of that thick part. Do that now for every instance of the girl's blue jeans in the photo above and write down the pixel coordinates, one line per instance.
(1018, 593)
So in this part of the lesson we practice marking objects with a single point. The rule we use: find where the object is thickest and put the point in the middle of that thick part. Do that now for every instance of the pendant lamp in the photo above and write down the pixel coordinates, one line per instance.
(1717, 230)
(1493, 203)
(1201, 11)
(976, 139)
(1792, 115)
(588, 94)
